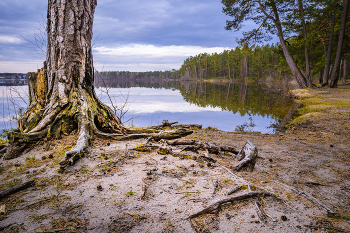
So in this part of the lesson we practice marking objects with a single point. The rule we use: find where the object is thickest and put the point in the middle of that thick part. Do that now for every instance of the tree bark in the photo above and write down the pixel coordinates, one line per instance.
(290, 61)
(320, 77)
(307, 64)
(335, 73)
(345, 73)
(329, 53)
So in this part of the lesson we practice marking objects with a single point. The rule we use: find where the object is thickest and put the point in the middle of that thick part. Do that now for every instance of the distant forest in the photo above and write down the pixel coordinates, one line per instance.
(160, 79)
(239, 62)
(254, 62)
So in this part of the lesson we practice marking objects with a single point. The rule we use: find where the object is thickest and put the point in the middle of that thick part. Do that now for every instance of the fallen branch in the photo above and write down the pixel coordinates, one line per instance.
(194, 145)
(260, 212)
(16, 188)
(165, 123)
(308, 196)
(216, 205)
(58, 230)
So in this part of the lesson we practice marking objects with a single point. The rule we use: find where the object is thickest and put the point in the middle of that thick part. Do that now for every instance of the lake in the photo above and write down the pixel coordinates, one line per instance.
(221, 105)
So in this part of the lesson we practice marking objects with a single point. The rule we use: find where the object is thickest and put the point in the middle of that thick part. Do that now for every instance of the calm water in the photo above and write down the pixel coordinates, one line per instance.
(223, 106)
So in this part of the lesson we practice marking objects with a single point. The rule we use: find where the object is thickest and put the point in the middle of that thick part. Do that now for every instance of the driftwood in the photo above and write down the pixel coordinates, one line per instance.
(308, 196)
(16, 188)
(194, 145)
(247, 157)
(217, 204)
(167, 124)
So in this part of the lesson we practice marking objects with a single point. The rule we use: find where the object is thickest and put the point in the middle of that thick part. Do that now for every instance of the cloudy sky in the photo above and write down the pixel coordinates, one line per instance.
(134, 35)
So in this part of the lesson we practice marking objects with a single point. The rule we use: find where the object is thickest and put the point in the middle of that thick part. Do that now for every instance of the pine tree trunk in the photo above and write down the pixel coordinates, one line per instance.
(290, 61)
(329, 54)
(335, 73)
(345, 73)
(307, 64)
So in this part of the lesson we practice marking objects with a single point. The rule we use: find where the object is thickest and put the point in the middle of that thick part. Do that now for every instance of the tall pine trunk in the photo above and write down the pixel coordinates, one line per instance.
(290, 61)
(345, 73)
(307, 63)
(329, 53)
(336, 70)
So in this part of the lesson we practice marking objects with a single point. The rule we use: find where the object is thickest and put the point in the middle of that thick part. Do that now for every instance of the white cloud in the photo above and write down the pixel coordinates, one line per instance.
(25, 66)
(10, 40)
(156, 51)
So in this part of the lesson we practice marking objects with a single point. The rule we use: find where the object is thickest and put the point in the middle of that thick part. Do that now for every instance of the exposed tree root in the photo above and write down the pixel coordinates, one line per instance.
(16, 188)
(310, 197)
(215, 207)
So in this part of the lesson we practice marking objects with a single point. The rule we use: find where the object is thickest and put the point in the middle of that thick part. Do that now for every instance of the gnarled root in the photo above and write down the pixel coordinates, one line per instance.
(80, 148)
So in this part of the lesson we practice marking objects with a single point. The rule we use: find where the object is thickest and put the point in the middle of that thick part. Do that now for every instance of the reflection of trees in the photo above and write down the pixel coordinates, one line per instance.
(266, 100)
(243, 98)
(155, 79)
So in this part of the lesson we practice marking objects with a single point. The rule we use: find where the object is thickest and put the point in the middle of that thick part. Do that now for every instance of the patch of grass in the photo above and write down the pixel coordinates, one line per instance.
(37, 217)
(210, 128)
(2, 170)
(85, 170)
(346, 217)
(130, 193)
(58, 153)
(32, 162)
(227, 180)
(13, 183)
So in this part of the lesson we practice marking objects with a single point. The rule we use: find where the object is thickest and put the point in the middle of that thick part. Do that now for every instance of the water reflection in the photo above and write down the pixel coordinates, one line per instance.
(220, 105)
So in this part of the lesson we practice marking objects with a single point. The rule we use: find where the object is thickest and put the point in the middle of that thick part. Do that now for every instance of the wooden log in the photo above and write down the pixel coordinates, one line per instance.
(16, 188)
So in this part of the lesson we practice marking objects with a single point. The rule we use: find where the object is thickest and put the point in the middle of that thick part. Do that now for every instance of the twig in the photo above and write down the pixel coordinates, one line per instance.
(260, 212)
(215, 185)
(308, 196)
(16, 188)
(216, 205)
